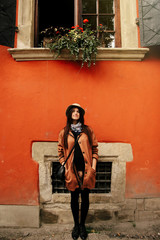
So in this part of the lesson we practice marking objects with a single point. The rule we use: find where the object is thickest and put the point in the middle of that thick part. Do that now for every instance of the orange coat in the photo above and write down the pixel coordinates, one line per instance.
(88, 153)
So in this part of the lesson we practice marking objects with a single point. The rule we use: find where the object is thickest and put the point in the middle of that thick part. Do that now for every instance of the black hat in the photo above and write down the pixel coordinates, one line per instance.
(75, 105)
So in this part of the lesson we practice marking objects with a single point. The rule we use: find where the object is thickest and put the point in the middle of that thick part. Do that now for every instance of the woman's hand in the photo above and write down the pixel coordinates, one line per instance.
(94, 163)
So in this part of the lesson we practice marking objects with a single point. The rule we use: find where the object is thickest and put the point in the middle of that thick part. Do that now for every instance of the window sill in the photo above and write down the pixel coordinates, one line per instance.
(104, 54)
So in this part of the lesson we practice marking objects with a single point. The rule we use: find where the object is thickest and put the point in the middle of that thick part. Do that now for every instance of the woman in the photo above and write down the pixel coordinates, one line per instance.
(80, 169)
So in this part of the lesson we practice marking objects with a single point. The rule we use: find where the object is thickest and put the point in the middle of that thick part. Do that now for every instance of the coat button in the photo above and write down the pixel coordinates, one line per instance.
(85, 172)
(86, 162)
(79, 142)
(83, 152)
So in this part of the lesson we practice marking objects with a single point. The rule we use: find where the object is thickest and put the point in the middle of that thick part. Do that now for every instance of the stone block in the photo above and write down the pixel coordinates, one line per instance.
(65, 217)
(56, 206)
(61, 198)
(101, 198)
(140, 204)
(136, 215)
(126, 215)
(90, 217)
(60, 215)
(130, 204)
(122, 150)
(103, 215)
(146, 215)
(157, 214)
(48, 217)
(105, 206)
(152, 204)
(19, 216)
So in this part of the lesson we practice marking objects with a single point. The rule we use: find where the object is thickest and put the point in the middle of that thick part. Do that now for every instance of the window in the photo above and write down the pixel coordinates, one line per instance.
(105, 12)
(29, 19)
(53, 13)
(72, 12)
(111, 172)
(103, 179)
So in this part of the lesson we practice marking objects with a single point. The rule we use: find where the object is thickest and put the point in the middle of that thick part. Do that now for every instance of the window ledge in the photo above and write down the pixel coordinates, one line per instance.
(116, 54)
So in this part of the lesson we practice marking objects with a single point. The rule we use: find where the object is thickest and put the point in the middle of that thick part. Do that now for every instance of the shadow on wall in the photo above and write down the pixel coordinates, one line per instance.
(154, 52)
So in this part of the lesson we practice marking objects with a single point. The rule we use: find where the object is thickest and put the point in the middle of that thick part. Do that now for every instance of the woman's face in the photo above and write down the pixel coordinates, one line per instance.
(75, 115)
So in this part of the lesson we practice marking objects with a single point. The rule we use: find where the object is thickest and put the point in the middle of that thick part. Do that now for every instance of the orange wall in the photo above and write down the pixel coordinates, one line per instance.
(122, 105)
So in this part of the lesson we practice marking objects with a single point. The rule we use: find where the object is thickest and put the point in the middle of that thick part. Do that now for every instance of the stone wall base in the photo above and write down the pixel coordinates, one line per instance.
(140, 209)
(131, 210)
(19, 216)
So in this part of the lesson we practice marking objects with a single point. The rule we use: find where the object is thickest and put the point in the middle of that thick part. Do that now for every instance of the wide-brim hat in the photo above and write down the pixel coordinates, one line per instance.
(75, 105)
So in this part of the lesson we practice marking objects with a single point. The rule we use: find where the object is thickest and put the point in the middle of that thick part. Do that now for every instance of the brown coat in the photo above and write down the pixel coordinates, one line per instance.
(88, 153)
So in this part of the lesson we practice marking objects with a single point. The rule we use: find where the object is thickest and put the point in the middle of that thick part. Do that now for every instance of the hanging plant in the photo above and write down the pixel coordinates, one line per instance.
(76, 40)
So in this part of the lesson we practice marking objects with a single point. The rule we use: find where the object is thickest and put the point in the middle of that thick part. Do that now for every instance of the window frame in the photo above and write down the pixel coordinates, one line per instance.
(129, 51)
(116, 14)
(103, 178)
(117, 153)
(78, 19)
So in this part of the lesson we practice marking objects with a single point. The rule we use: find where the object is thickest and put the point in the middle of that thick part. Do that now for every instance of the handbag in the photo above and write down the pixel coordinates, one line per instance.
(60, 172)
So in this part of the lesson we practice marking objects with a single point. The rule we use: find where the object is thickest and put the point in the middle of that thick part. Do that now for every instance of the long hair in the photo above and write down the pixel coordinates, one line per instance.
(67, 128)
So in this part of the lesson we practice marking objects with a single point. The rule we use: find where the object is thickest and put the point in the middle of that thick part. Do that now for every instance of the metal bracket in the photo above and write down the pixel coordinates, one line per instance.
(137, 21)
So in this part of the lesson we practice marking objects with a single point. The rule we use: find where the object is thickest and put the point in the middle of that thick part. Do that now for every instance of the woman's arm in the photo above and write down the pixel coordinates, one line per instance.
(61, 147)
(94, 151)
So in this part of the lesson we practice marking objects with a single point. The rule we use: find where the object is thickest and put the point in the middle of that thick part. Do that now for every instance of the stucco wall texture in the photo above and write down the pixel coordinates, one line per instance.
(121, 100)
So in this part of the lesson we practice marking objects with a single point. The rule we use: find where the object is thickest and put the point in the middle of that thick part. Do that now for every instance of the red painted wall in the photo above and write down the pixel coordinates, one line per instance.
(122, 105)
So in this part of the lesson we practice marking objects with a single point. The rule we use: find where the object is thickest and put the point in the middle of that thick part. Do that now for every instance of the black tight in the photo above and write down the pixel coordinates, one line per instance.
(84, 205)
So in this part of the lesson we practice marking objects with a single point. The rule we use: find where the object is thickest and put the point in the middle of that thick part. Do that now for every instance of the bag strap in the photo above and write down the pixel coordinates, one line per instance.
(71, 150)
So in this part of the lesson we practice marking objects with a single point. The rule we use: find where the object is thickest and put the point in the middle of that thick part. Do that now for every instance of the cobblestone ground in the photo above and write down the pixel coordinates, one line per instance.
(98, 231)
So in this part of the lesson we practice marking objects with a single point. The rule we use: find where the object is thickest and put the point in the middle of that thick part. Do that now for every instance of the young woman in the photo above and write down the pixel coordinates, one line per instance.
(80, 169)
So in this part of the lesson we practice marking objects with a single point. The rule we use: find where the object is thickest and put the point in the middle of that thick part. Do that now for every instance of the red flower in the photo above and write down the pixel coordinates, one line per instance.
(57, 32)
(81, 29)
(77, 26)
(85, 21)
(73, 27)
(100, 25)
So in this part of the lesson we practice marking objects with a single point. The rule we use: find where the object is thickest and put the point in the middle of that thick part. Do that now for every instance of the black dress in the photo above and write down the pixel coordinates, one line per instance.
(78, 156)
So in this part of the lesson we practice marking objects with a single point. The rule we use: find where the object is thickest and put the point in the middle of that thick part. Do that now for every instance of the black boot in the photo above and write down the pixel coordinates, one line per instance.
(75, 232)
(83, 232)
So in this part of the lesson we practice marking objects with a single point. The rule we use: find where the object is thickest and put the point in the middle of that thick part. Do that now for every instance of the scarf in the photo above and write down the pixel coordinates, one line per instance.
(76, 127)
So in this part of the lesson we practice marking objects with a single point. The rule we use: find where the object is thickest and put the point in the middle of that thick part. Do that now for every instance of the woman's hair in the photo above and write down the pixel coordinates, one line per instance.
(67, 128)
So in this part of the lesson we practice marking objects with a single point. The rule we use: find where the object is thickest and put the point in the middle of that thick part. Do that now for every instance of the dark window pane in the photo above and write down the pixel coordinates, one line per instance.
(56, 14)
(103, 178)
(89, 6)
(106, 6)
(107, 21)
(92, 21)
